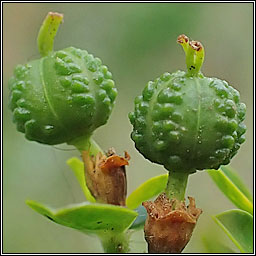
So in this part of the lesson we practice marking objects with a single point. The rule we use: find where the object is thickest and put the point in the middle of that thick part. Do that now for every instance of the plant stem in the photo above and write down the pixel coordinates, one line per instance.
(194, 51)
(47, 32)
(86, 143)
(113, 242)
(176, 185)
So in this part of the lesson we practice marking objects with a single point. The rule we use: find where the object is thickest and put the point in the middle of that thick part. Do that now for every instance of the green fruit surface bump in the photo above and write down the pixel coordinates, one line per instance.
(188, 123)
(62, 96)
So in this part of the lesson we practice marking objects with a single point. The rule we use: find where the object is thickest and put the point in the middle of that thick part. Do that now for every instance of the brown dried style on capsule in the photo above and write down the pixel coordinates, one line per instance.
(182, 39)
(196, 45)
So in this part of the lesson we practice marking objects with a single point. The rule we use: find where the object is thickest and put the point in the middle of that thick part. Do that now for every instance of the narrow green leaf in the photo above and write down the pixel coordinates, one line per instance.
(89, 218)
(77, 167)
(230, 184)
(43, 210)
(238, 225)
(212, 245)
(146, 191)
(92, 217)
(230, 173)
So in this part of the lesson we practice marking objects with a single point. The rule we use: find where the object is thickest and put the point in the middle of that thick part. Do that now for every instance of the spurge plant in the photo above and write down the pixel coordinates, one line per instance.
(183, 121)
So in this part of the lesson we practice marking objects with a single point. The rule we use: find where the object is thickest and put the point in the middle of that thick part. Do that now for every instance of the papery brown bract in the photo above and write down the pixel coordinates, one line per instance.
(106, 177)
(169, 224)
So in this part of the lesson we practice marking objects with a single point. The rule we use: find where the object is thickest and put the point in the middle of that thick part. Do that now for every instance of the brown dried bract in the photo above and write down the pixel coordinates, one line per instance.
(169, 224)
(105, 177)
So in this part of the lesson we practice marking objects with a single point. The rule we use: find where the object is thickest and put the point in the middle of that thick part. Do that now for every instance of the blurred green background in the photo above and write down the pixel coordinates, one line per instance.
(138, 43)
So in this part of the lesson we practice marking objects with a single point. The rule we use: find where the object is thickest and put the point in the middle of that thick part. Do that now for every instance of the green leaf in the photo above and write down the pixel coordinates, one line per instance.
(77, 167)
(231, 185)
(237, 181)
(212, 245)
(43, 210)
(89, 218)
(238, 225)
(146, 191)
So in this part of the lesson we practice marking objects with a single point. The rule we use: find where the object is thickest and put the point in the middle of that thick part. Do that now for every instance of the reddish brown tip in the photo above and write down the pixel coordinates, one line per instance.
(197, 46)
(55, 15)
(182, 39)
(113, 162)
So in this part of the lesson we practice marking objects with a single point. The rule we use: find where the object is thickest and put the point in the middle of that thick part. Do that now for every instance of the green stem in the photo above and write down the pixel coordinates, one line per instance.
(86, 143)
(194, 51)
(47, 32)
(115, 242)
(176, 185)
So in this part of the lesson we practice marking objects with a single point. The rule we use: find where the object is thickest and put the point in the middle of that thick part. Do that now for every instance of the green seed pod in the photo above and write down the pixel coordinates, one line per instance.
(186, 121)
(64, 95)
